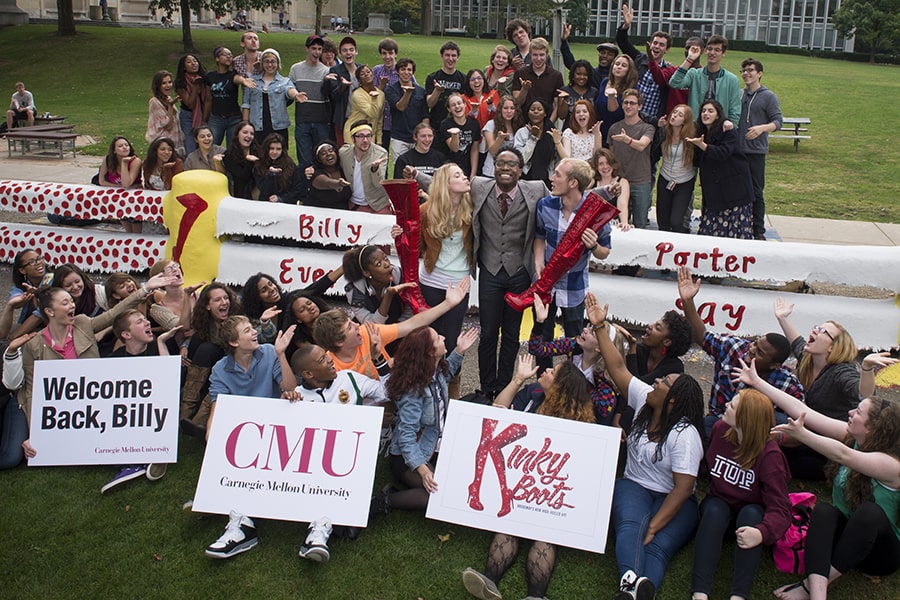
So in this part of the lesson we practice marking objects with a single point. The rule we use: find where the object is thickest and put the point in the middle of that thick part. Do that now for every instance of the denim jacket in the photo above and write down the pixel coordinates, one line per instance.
(278, 102)
(418, 430)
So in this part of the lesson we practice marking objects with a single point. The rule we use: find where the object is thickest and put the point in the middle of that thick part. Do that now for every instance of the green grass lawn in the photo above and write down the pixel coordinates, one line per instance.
(100, 79)
(63, 540)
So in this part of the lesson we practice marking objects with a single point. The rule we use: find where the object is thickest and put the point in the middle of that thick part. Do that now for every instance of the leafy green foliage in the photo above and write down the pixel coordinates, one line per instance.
(876, 22)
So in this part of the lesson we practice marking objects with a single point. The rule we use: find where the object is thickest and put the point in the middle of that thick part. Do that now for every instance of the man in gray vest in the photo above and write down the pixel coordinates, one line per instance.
(503, 226)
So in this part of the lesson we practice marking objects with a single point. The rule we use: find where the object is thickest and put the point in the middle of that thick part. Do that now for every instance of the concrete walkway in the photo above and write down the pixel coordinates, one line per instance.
(787, 229)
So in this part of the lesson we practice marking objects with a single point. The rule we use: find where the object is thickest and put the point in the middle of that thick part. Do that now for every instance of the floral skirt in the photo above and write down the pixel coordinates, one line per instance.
(734, 222)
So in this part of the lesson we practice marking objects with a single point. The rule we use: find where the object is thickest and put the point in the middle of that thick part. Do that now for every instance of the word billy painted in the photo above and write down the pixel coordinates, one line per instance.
(542, 480)
(329, 230)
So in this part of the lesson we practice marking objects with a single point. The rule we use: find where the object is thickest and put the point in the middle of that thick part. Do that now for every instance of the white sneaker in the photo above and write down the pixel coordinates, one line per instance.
(240, 536)
(315, 547)
(627, 586)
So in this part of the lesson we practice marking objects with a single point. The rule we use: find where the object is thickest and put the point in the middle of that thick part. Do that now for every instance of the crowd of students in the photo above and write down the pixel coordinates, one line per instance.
(501, 194)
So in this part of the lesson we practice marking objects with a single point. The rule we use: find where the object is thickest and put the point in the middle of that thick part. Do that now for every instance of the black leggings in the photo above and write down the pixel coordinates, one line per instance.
(671, 205)
(865, 541)
(717, 518)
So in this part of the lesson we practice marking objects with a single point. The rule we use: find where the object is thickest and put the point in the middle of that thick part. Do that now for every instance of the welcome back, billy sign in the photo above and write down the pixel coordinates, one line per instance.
(105, 411)
(527, 475)
(293, 461)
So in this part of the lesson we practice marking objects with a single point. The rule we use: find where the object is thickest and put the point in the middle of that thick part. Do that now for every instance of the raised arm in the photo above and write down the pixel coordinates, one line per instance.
(783, 311)
(877, 465)
(455, 294)
(827, 426)
(687, 289)
(525, 370)
(615, 364)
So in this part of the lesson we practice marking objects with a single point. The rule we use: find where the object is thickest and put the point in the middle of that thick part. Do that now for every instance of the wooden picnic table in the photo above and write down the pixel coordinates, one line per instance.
(798, 126)
(58, 137)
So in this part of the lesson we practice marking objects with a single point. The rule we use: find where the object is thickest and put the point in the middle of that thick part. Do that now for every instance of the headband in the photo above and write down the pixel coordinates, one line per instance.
(358, 128)
(323, 145)
(359, 259)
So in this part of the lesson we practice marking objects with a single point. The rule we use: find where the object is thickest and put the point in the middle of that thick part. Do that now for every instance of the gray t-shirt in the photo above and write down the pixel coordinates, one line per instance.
(310, 79)
(634, 165)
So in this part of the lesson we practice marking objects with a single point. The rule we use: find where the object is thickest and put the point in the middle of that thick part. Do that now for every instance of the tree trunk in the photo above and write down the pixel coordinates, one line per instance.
(425, 17)
(319, 16)
(65, 24)
(186, 40)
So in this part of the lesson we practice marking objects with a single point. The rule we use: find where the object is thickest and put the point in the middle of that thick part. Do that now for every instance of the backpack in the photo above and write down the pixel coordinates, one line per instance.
(790, 550)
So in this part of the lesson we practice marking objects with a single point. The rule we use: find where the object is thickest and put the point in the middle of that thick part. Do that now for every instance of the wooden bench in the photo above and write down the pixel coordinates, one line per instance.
(58, 138)
(797, 123)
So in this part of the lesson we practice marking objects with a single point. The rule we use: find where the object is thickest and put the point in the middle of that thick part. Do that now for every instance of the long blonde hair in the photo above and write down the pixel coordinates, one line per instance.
(628, 81)
(688, 130)
(843, 350)
(438, 210)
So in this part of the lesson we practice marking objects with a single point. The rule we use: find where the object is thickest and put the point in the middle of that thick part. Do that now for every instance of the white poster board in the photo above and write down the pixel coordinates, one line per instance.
(105, 411)
(559, 475)
(293, 461)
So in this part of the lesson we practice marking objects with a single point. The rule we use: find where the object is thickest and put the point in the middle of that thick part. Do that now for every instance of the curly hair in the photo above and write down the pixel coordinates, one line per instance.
(414, 362)
(843, 350)
(680, 334)
(250, 300)
(580, 64)
(205, 327)
(883, 436)
(684, 412)
(569, 396)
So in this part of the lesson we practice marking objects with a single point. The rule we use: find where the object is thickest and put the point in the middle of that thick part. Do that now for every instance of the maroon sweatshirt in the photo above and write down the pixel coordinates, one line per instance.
(764, 484)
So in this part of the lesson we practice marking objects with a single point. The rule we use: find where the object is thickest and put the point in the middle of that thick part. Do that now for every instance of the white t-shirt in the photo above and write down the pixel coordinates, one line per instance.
(682, 451)
(343, 391)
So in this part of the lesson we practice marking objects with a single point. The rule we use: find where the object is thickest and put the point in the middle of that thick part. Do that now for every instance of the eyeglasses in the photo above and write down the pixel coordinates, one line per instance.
(508, 164)
(820, 329)
(363, 136)
(33, 262)
(629, 103)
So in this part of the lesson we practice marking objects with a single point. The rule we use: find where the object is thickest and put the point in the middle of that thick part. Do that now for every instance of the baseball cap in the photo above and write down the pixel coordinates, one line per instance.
(314, 39)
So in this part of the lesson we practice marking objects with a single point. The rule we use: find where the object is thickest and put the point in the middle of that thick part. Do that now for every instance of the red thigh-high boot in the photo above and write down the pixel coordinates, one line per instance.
(595, 212)
(404, 195)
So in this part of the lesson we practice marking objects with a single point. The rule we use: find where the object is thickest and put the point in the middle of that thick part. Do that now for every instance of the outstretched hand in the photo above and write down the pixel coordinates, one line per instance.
(466, 340)
(687, 285)
(596, 314)
(783, 309)
(541, 310)
(745, 374)
(793, 430)
(525, 368)
(283, 339)
(456, 292)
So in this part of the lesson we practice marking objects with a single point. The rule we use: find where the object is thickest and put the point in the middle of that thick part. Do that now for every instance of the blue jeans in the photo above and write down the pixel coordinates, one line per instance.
(633, 508)
(498, 321)
(186, 120)
(308, 136)
(13, 431)
(716, 517)
(640, 201)
(223, 127)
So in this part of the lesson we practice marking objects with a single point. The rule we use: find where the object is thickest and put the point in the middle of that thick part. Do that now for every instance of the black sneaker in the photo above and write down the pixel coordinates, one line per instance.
(240, 536)
(381, 502)
(644, 589)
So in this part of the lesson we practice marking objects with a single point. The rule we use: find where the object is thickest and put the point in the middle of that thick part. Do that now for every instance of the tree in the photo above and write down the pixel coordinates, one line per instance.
(577, 14)
(319, 4)
(219, 7)
(876, 22)
(65, 22)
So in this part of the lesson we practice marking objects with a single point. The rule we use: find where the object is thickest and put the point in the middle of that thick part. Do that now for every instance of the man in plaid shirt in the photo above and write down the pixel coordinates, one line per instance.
(769, 350)
(569, 181)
